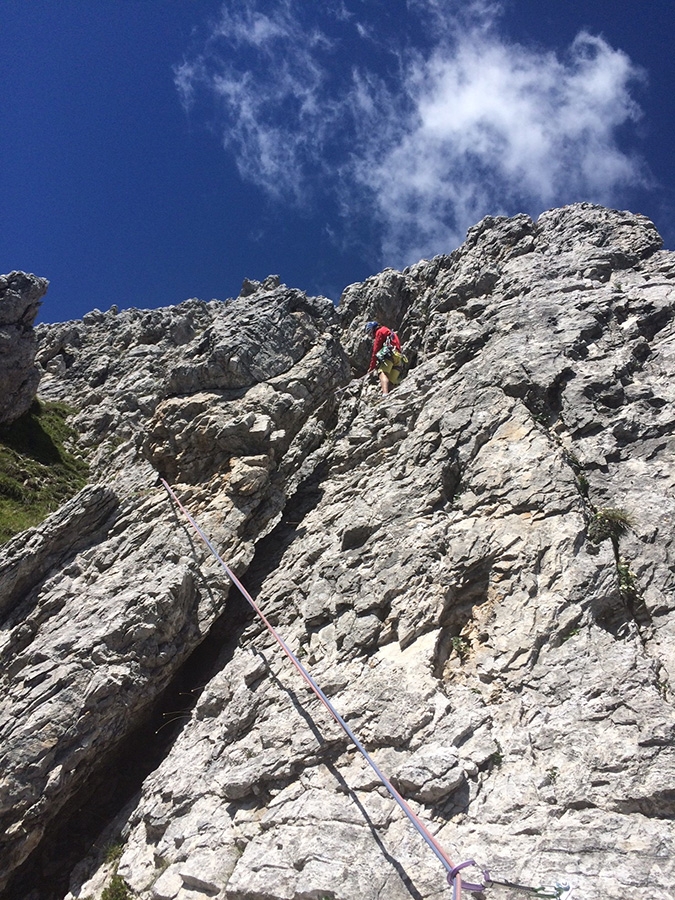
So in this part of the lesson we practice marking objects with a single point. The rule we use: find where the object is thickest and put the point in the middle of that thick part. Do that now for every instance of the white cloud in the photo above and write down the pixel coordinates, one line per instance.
(265, 73)
(501, 128)
(468, 125)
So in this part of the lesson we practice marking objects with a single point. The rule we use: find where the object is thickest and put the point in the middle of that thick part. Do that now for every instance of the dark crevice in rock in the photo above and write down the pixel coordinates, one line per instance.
(556, 389)
(356, 537)
(634, 600)
(119, 775)
(458, 612)
(451, 478)
(544, 403)
(650, 325)
(612, 615)
(272, 547)
(329, 413)
(459, 802)
(660, 805)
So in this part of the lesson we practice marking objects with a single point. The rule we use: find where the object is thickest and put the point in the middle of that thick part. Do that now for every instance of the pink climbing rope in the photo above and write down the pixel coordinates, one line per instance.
(454, 878)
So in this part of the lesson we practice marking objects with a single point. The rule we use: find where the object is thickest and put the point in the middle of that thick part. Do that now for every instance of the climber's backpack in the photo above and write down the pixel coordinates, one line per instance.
(398, 358)
(401, 362)
(386, 351)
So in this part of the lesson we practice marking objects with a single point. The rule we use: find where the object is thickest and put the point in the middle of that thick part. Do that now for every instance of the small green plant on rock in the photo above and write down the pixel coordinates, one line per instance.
(582, 483)
(612, 524)
(117, 890)
(113, 852)
(628, 583)
(573, 460)
(609, 523)
(575, 465)
(570, 634)
(663, 687)
(461, 647)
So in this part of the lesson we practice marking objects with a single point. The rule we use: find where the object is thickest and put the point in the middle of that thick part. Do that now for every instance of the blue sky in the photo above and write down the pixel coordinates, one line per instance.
(155, 150)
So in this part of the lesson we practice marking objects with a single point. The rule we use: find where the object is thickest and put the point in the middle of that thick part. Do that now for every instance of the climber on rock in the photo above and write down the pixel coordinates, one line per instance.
(387, 356)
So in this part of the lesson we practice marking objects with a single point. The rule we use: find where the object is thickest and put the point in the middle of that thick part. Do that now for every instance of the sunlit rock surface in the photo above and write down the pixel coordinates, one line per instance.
(20, 297)
(427, 555)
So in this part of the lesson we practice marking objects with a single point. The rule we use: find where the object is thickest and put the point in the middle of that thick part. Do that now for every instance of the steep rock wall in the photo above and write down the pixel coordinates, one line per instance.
(427, 554)
(20, 297)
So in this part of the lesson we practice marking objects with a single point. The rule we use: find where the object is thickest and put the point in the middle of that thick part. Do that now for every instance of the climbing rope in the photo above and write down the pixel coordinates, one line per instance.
(453, 872)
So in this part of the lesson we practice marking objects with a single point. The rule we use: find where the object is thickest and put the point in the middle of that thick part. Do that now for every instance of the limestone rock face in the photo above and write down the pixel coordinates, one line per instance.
(434, 558)
(212, 384)
(20, 296)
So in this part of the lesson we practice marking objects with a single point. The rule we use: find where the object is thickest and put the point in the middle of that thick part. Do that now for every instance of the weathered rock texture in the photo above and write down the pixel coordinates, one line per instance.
(427, 555)
(20, 296)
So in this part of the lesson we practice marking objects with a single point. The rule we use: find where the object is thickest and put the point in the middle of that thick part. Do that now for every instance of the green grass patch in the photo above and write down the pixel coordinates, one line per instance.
(116, 890)
(38, 472)
(113, 852)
